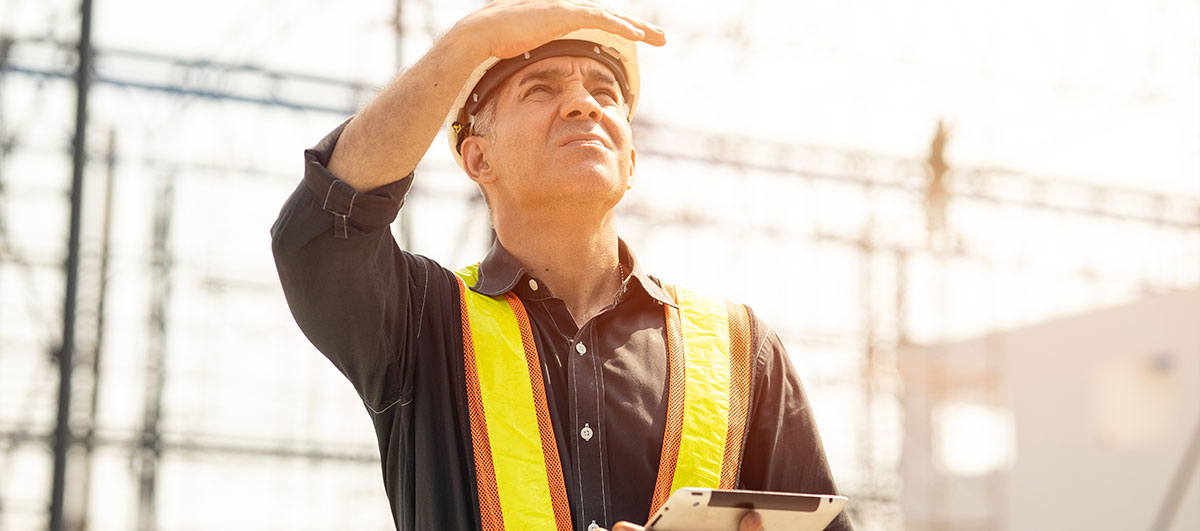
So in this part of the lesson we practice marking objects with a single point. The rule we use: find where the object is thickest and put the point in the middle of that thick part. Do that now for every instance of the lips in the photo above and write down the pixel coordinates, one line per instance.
(583, 139)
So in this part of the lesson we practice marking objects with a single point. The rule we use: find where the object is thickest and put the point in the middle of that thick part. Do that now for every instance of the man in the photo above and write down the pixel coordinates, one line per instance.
(619, 404)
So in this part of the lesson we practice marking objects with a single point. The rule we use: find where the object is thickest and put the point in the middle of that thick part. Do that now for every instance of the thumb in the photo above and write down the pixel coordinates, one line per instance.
(751, 522)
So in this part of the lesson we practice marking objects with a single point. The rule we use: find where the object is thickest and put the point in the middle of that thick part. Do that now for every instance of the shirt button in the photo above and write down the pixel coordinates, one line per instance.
(593, 526)
(533, 284)
(586, 432)
(580, 349)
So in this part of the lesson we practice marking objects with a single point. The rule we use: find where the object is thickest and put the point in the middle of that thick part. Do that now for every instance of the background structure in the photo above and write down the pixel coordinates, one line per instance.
(880, 180)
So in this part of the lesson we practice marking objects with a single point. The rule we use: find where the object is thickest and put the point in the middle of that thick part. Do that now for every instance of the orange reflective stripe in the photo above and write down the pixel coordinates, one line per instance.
(485, 476)
(558, 489)
(721, 348)
(675, 395)
(519, 482)
(739, 392)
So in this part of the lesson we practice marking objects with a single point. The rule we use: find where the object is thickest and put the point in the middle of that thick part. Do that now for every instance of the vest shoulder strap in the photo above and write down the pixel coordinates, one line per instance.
(519, 480)
(709, 359)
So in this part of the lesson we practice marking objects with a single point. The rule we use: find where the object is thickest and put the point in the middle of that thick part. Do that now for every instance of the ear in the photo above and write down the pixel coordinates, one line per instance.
(632, 167)
(475, 160)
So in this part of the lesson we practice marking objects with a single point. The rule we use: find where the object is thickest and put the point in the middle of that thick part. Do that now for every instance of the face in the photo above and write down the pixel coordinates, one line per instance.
(560, 138)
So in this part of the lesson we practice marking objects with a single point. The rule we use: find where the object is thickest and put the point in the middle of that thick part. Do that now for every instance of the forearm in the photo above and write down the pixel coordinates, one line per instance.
(388, 137)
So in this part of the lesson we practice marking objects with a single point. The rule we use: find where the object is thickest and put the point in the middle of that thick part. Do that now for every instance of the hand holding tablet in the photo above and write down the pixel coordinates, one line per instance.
(751, 521)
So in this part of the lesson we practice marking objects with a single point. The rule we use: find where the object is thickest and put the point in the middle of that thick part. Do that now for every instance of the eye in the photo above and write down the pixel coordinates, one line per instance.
(537, 89)
(607, 94)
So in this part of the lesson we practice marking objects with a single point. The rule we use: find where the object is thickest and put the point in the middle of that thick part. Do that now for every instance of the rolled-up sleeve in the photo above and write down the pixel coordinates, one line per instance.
(344, 277)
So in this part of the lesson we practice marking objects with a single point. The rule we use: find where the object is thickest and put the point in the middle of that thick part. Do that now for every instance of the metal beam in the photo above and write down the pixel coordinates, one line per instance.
(195, 445)
(66, 351)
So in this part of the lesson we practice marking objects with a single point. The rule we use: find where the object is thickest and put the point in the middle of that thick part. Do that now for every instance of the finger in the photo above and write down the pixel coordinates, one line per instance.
(607, 20)
(751, 522)
(657, 38)
(626, 526)
(618, 23)
(655, 35)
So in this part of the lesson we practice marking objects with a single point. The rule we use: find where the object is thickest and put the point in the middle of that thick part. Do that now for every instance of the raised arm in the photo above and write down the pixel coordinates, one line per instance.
(388, 137)
(356, 296)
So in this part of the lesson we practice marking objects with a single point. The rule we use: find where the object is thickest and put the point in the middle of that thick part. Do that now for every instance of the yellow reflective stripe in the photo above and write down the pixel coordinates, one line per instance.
(509, 410)
(705, 328)
(469, 274)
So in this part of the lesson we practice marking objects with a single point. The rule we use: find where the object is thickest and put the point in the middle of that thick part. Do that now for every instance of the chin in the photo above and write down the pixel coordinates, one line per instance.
(587, 179)
(590, 186)
(587, 168)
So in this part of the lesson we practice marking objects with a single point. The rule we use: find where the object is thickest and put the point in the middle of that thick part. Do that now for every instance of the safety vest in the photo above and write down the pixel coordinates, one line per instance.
(517, 467)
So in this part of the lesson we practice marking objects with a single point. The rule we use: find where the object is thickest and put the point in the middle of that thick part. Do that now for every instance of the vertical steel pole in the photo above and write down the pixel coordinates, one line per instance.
(150, 447)
(66, 352)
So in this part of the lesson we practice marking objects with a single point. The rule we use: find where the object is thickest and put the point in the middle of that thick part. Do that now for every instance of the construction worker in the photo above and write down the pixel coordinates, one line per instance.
(554, 385)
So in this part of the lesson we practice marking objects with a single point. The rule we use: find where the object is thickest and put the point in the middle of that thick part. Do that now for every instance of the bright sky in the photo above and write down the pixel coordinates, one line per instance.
(1102, 92)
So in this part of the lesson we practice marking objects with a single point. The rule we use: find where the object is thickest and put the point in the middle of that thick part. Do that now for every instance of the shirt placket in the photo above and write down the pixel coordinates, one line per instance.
(587, 430)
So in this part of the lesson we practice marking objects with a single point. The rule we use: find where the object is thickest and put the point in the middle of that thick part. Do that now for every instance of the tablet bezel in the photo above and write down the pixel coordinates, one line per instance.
(697, 509)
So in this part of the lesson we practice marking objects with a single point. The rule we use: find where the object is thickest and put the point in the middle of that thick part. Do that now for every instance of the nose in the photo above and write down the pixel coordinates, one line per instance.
(580, 104)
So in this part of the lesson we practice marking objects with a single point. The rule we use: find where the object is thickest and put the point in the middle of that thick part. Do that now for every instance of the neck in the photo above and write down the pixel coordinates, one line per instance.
(576, 259)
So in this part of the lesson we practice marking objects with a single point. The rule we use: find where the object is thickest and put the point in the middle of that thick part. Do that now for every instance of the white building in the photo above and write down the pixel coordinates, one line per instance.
(1087, 422)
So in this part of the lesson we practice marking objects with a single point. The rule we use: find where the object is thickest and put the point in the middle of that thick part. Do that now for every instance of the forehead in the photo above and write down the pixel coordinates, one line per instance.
(563, 67)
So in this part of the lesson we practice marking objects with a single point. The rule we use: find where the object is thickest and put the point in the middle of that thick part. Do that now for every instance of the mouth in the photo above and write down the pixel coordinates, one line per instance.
(584, 139)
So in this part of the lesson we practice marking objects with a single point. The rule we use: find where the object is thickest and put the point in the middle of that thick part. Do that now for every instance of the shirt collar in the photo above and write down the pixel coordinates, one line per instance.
(499, 272)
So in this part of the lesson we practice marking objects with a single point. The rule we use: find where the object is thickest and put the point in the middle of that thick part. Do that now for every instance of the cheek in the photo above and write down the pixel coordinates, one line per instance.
(620, 130)
(512, 141)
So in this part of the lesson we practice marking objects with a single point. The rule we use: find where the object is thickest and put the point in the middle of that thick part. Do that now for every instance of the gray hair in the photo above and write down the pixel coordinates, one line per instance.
(484, 125)
(485, 120)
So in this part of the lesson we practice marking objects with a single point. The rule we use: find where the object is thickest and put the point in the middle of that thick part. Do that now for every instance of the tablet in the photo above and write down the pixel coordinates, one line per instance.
(693, 509)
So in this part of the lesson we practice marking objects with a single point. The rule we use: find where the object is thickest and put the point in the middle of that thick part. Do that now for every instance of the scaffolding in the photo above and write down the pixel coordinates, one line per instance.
(770, 207)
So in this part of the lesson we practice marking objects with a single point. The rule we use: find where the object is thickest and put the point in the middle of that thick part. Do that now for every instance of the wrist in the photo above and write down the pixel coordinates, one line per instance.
(467, 42)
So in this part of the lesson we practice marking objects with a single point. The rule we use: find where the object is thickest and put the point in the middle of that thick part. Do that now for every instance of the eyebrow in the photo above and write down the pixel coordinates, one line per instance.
(592, 73)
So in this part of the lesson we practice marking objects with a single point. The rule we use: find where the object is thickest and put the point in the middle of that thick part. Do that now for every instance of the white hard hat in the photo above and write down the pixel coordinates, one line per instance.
(618, 53)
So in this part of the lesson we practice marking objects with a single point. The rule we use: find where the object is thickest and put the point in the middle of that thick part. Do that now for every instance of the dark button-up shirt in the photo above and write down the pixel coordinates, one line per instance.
(389, 320)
